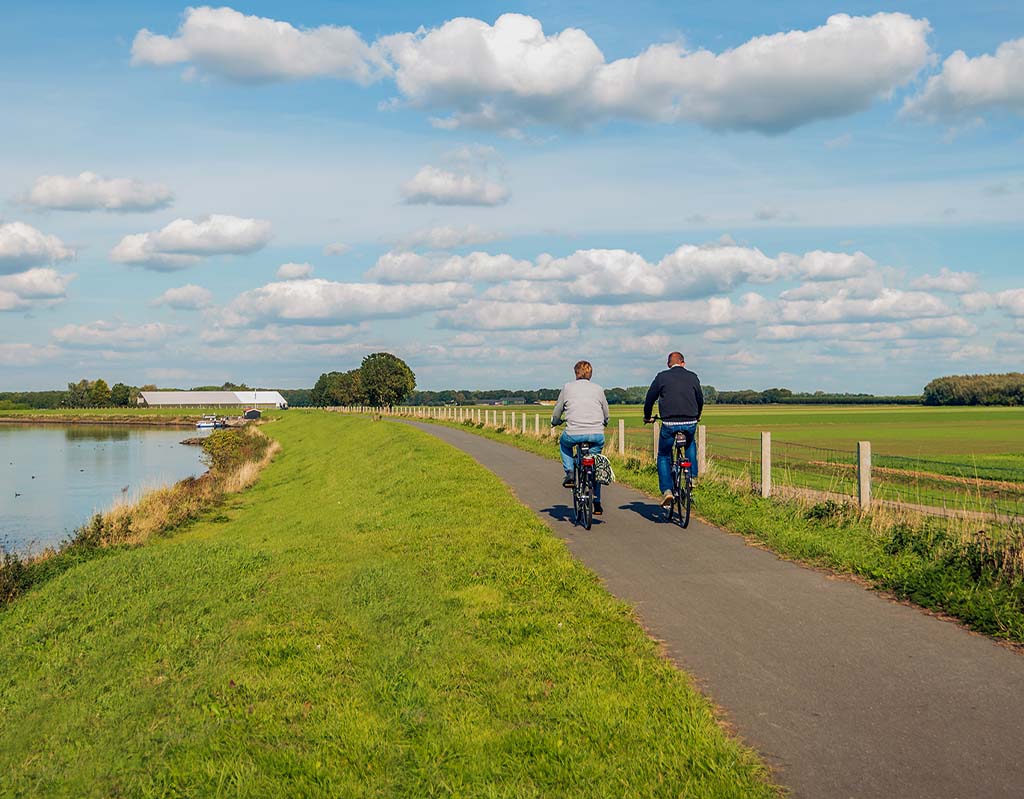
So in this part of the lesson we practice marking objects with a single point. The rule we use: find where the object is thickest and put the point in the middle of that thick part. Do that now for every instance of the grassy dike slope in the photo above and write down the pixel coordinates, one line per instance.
(376, 617)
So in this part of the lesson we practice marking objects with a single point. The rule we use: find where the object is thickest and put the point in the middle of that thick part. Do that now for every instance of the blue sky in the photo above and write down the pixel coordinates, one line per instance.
(790, 197)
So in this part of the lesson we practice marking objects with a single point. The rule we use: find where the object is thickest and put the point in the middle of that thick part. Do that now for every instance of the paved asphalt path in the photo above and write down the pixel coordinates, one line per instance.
(843, 692)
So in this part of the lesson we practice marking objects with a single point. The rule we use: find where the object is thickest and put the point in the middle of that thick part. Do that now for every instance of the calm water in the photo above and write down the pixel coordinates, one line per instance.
(65, 474)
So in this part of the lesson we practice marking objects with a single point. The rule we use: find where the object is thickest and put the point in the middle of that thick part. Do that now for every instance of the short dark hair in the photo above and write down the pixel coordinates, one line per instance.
(583, 370)
(675, 357)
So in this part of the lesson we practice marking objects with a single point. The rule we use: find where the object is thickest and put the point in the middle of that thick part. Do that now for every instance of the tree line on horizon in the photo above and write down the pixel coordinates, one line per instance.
(993, 389)
(384, 379)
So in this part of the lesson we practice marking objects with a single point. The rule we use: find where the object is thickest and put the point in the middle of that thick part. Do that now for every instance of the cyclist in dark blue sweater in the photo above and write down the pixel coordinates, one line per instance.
(680, 403)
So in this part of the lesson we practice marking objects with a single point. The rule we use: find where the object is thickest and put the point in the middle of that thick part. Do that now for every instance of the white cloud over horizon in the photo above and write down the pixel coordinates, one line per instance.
(90, 192)
(189, 297)
(313, 301)
(185, 242)
(968, 86)
(293, 271)
(512, 74)
(251, 49)
(115, 336)
(433, 185)
(22, 247)
(447, 237)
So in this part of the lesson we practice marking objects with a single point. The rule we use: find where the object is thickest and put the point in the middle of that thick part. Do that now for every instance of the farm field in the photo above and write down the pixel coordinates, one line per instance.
(970, 458)
(997, 434)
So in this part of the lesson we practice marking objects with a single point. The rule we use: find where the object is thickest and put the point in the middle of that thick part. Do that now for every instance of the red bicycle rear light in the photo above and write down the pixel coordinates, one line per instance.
(588, 461)
(685, 464)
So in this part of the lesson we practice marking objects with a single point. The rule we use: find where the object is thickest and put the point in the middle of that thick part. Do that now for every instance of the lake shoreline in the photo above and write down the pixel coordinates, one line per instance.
(118, 421)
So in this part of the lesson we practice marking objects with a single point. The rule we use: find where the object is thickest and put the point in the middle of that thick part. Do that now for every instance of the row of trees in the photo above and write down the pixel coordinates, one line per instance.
(97, 394)
(93, 394)
(382, 379)
(998, 389)
(771, 396)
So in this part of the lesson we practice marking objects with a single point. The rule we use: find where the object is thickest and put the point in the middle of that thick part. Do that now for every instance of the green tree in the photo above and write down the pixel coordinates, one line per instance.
(78, 394)
(386, 379)
(318, 394)
(346, 388)
(121, 395)
(99, 394)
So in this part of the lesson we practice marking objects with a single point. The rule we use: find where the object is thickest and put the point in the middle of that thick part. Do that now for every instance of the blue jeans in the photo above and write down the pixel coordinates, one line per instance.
(566, 442)
(666, 441)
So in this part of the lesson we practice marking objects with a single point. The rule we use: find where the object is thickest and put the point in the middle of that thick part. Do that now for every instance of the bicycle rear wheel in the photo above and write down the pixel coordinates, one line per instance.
(685, 500)
(587, 501)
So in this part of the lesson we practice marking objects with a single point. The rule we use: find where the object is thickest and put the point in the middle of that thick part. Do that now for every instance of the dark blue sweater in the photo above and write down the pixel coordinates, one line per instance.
(678, 393)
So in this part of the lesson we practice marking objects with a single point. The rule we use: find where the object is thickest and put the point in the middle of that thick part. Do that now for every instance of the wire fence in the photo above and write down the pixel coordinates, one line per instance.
(952, 485)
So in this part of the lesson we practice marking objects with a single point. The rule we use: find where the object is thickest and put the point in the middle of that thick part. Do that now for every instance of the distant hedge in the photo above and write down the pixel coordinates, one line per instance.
(1002, 389)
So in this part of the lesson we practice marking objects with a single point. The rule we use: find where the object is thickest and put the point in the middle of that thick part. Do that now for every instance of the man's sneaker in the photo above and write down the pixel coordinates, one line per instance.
(598, 510)
(666, 499)
(568, 481)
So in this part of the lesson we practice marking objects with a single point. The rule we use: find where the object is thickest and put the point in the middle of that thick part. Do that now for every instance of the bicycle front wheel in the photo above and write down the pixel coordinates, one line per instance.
(685, 501)
(587, 502)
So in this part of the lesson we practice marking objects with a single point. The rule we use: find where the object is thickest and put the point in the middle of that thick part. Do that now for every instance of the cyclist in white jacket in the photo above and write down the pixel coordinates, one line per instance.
(584, 409)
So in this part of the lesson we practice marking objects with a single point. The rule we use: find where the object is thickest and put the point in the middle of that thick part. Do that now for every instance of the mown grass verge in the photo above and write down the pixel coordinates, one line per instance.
(376, 616)
(234, 458)
(949, 565)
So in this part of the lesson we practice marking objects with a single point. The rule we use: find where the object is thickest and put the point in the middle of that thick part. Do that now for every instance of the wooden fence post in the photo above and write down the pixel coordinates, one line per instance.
(766, 464)
(864, 474)
(655, 435)
(536, 424)
(524, 422)
(702, 448)
(622, 437)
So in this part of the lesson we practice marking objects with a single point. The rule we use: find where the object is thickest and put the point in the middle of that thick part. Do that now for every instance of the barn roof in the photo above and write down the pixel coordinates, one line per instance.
(212, 398)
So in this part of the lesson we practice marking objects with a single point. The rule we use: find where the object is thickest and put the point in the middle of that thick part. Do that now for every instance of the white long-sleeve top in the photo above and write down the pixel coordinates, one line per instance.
(583, 406)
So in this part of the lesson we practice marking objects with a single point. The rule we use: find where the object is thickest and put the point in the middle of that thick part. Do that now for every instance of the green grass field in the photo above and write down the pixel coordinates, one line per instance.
(913, 431)
(965, 459)
(339, 631)
(972, 571)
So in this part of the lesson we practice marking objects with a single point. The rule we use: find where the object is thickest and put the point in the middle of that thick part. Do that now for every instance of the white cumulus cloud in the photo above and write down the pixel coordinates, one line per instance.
(512, 74)
(294, 271)
(19, 354)
(251, 49)
(115, 335)
(437, 186)
(969, 86)
(189, 297)
(447, 237)
(477, 267)
(90, 192)
(184, 242)
(947, 280)
(37, 287)
(336, 248)
(23, 247)
(489, 315)
(319, 301)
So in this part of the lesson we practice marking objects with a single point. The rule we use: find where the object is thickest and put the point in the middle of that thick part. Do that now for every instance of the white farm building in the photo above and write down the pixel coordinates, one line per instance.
(212, 399)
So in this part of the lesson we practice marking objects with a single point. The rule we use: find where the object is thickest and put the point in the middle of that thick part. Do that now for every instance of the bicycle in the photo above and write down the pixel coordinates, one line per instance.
(583, 485)
(682, 479)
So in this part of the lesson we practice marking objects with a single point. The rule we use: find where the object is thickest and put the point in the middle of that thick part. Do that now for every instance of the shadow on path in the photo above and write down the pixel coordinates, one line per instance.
(563, 513)
(649, 510)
